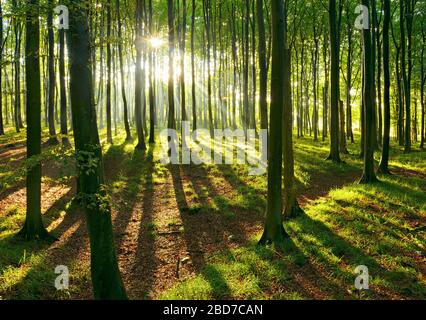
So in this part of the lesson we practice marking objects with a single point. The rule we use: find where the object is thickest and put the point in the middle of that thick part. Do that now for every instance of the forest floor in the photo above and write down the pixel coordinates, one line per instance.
(190, 232)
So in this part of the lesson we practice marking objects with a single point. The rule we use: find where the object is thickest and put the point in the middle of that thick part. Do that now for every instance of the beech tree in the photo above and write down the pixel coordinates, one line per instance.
(274, 232)
(33, 227)
(106, 279)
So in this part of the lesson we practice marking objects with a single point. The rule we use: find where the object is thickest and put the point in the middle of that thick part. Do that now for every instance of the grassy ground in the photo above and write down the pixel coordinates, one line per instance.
(190, 232)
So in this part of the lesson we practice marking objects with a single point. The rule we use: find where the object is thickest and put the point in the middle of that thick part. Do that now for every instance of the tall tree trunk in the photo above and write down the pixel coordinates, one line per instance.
(253, 68)
(334, 48)
(369, 174)
(422, 89)
(33, 227)
(109, 75)
(207, 11)
(106, 279)
(274, 231)
(325, 91)
(194, 97)
(17, 56)
(315, 84)
(291, 205)
(151, 81)
(384, 162)
(52, 79)
(263, 73)
(63, 89)
(171, 84)
(141, 146)
(349, 129)
(246, 67)
(1, 74)
(407, 94)
(342, 140)
(123, 84)
(182, 62)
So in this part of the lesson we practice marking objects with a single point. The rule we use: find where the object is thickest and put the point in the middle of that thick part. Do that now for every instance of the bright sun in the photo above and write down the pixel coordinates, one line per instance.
(156, 42)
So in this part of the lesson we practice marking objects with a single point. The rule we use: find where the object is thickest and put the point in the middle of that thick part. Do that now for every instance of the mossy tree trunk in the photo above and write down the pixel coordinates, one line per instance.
(106, 279)
(33, 227)
(369, 175)
(274, 232)
(334, 106)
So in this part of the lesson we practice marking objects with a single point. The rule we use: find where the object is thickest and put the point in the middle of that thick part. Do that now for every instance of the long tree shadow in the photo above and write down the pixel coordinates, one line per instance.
(196, 231)
(38, 282)
(145, 262)
(336, 254)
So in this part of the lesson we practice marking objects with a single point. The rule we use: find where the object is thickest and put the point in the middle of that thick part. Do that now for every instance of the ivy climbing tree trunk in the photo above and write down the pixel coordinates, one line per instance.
(106, 279)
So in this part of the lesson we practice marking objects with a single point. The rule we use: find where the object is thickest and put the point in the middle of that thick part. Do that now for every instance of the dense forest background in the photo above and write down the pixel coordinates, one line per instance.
(87, 87)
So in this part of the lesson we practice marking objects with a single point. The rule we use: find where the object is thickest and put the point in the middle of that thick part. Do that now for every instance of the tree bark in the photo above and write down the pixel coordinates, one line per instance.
(384, 162)
(369, 175)
(274, 231)
(334, 48)
(106, 279)
(263, 73)
(123, 85)
(33, 227)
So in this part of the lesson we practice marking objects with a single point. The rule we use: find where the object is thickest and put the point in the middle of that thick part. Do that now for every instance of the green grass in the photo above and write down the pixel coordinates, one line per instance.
(356, 225)
(381, 226)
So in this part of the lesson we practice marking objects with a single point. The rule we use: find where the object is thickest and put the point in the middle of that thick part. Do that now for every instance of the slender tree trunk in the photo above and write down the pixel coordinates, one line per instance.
(207, 10)
(1, 74)
(17, 83)
(325, 92)
(123, 84)
(52, 79)
(263, 73)
(151, 81)
(171, 85)
(384, 162)
(194, 96)
(141, 146)
(274, 231)
(63, 89)
(349, 129)
(109, 75)
(422, 89)
(246, 67)
(342, 140)
(334, 48)
(407, 94)
(182, 63)
(33, 227)
(369, 174)
(291, 205)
